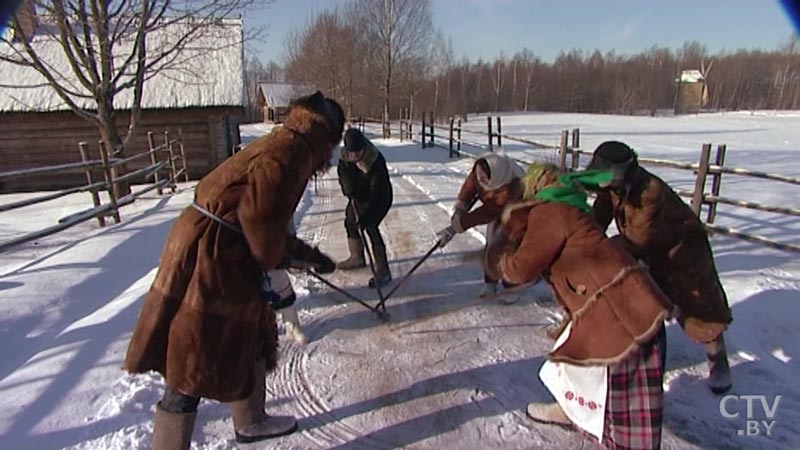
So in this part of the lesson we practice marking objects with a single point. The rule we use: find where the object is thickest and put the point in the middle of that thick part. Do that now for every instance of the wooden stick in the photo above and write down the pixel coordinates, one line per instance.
(563, 150)
(700, 180)
(52, 196)
(182, 151)
(83, 147)
(489, 132)
(753, 238)
(459, 137)
(713, 200)
(716, 182)
(112, 191)
(499, 133)
(452, 123)
(50, 169)
(151, 142)
(172, 180)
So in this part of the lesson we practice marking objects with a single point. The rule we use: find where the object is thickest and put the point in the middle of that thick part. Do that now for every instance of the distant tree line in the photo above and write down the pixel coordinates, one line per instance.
(380, 56)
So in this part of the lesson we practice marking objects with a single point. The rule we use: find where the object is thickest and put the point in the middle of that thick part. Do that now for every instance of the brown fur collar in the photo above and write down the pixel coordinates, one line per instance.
(314, 130)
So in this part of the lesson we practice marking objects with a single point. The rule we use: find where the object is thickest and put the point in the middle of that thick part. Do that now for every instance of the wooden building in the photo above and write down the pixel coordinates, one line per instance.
(200, 95)
(273, 98)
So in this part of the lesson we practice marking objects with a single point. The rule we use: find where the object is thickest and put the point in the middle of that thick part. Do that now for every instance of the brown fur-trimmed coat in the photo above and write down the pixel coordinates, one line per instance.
(202, 324)
(613, 304)
(656, 226)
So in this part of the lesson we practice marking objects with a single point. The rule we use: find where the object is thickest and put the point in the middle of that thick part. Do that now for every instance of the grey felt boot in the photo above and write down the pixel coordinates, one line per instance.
(356, 259)
(250, 422)
(172, 431)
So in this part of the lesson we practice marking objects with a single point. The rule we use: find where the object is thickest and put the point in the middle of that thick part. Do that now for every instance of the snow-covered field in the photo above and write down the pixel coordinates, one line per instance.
(461, 380)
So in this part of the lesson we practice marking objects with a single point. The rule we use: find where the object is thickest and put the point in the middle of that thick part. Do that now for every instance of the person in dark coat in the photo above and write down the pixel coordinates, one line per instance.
(365, 181)
(203, 325)
(657, 227)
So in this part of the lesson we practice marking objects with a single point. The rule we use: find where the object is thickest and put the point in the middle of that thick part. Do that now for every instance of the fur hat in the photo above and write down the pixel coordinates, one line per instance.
(616, 157)
(327, 108)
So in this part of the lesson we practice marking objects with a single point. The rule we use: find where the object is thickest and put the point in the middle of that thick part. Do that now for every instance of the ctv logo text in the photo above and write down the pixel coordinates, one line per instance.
(757, 406)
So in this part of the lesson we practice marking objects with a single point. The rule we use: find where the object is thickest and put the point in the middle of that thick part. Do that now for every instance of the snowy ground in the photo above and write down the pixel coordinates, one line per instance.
(69, 302)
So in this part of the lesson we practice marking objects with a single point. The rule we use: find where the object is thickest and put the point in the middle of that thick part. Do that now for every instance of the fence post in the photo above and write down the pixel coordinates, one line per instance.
(151, 142)
(562, 164)
(172, 181)
(400, 121)
(716, 181)
(182, 151)
(400, 114)
(433, 131)
(452, 122)
(700, 181)
(458, 144)
(89, 179)
(489, 128)
(576, 143)
(499, 132)
(112, 196)
(423, 129)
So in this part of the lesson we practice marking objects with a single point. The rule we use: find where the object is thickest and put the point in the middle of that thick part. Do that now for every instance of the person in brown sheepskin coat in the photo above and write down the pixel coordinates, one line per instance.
(203, 325)
(657, 227)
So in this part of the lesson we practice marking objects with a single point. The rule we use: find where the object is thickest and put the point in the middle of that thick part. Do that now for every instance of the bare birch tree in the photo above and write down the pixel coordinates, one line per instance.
(110, 48)
(402, 29)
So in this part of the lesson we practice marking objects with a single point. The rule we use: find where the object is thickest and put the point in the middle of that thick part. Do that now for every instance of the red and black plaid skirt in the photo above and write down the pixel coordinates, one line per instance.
(635, 398)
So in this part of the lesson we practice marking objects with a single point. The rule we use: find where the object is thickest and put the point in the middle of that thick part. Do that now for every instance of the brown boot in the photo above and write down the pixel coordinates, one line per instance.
(250, 422)
(356, 259)
(172, 431)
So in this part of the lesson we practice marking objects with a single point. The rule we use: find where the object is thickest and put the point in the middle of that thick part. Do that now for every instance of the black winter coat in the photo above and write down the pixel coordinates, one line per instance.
(371, 192)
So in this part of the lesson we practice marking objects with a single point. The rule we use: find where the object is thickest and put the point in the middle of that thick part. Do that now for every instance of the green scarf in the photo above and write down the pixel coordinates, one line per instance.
(570, 189)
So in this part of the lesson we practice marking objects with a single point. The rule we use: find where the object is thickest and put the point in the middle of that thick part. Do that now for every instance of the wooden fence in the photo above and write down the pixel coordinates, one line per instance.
(105, 174)
(451, 136)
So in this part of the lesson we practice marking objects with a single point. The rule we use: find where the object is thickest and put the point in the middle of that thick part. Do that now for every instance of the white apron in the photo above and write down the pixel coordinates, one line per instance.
(581, 391)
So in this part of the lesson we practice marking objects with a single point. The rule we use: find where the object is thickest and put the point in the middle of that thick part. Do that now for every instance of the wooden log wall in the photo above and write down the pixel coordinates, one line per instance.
(39, 139)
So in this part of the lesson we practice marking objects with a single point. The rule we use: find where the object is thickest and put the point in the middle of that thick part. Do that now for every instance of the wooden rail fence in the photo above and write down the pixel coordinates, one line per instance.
(452, 136)
(104, 174)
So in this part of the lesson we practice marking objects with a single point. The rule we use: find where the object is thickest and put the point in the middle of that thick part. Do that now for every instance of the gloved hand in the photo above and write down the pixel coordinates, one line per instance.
(322, 263)
(460, 208)
(304, 256)
(445, 235)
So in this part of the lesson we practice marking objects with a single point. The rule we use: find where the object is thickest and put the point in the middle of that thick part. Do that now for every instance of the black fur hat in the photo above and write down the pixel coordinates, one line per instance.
(616, 157)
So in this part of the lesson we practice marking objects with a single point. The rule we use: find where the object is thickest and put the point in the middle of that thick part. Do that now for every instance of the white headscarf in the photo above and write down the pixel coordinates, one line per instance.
(503, 169)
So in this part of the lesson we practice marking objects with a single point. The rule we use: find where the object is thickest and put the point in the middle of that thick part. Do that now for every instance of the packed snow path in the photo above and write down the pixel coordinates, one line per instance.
(461, 380)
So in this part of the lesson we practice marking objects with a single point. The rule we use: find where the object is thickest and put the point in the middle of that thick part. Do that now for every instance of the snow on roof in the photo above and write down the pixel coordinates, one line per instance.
(209, 71)
(691, 76)
(280, 94)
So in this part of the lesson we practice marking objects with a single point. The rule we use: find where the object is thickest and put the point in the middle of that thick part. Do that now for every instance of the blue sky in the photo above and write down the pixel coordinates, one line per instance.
(484, 28)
